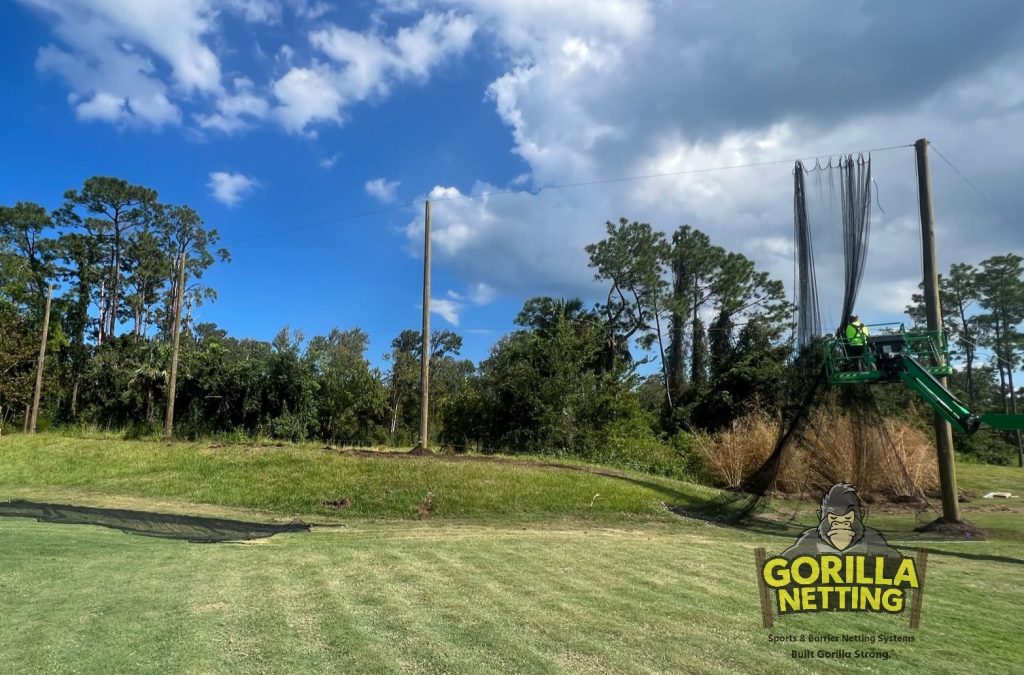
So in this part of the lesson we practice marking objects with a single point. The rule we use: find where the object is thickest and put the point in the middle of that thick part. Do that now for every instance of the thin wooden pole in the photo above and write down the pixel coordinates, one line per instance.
(425, 356)
(176, 332)
(42, 360)
(767, 620)
(915, 609)
(933, 311)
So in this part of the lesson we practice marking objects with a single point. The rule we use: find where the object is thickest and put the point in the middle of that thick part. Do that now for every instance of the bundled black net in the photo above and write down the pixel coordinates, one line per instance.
(165, 525)
(855, 196)
(808, 322)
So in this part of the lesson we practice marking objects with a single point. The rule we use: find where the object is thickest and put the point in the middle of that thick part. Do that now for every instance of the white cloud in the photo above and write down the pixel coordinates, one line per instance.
(481, 293)
(255, 11)
(230, 188)
(307, 95)
(140, 63)
(310, 9)
(446, 309)
(111, 50)
(236, 112)
(382, 190)
(329, 162)
(365, 65)
(102, 106)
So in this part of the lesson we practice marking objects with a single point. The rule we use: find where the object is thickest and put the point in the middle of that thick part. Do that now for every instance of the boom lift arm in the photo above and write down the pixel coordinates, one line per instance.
(895, 356)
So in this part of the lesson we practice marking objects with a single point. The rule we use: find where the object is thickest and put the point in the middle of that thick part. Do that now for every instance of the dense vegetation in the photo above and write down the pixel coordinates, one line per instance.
(567, 381)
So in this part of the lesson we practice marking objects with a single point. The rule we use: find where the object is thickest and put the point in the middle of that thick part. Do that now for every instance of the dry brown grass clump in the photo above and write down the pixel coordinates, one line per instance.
(891, 460)
(735, 453)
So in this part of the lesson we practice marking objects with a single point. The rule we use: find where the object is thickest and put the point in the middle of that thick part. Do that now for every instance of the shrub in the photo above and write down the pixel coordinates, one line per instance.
(142, 430)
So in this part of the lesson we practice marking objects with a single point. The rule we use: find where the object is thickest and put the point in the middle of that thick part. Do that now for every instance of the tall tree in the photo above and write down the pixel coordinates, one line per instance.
(111, 210)
(632, 258)
(694, 261)
(187, 242)
(958, 293)
(1000, 287)
(18, 351)
(150, 267)
(81, 256)
(182, 234)
(29, 254)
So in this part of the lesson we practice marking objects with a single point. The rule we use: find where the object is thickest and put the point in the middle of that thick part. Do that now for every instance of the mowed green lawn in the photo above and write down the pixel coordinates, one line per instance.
(591, 585)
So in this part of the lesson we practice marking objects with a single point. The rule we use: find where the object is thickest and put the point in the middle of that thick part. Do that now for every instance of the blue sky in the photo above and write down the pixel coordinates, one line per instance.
(274, 116)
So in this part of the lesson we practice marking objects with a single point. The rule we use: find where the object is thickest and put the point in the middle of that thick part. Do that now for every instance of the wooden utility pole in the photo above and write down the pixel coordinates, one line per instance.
(176, 332)
(933, 311)
(425, 356)
(42, 360)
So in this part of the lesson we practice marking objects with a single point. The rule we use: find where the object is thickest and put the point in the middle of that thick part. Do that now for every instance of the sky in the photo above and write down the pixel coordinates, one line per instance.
(310, 133)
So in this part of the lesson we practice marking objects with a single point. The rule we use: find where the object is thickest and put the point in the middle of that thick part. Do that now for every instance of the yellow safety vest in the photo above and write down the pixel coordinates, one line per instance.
(856, 333)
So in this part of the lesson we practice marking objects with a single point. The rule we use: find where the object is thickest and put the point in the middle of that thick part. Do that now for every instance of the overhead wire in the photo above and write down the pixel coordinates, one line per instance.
(557, 186)
(991, 202)
(978, 347)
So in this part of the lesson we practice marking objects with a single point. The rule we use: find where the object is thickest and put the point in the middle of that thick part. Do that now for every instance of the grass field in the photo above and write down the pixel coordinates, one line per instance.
(519, 568)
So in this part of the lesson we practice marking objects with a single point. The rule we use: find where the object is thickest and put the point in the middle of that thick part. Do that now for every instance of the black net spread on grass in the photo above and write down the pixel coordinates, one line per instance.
(165, 525)
(807, 384)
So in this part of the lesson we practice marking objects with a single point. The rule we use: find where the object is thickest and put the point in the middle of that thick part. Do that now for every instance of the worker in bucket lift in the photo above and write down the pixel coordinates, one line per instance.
(856, 339)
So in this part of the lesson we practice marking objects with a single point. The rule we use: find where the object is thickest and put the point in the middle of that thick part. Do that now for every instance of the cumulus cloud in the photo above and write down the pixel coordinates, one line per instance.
(365, 65)
(230, 188)
(382, 190)
(106, 49)
(237, 111)
(142, 63)
(139, 63)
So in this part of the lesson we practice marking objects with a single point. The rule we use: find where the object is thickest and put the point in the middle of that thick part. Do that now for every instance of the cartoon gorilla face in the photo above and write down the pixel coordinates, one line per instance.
(841, 520)
(841, 530)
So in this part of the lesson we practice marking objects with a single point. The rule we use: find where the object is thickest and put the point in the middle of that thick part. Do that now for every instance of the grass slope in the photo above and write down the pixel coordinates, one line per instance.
(296, 479)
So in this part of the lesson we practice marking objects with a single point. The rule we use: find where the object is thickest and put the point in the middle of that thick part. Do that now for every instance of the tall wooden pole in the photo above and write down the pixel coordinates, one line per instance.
(176, 332)
(425, 356)
(933, 311)
(42, 360)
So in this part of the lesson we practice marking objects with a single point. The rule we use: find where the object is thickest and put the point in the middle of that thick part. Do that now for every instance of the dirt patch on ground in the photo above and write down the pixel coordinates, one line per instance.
(944, 528)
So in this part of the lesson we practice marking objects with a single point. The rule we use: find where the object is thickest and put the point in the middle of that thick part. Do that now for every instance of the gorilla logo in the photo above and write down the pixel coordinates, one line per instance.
(841, 529)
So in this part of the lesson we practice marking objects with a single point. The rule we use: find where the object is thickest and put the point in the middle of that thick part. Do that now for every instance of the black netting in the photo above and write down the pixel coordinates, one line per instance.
(808, 324)
(165, 525)
(855, 197)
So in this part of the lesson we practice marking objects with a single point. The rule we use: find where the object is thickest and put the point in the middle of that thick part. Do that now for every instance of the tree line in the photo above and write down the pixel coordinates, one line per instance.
(982, 311)
(686, 336)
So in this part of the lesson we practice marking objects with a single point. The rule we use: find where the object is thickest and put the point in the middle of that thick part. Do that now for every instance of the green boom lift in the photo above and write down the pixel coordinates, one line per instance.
(917, 358)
